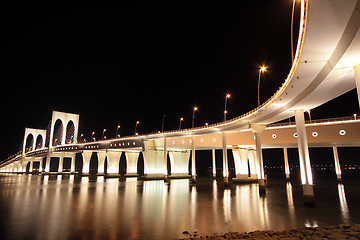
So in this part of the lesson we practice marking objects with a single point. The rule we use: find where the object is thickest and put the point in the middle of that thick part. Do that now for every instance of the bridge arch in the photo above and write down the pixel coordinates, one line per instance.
(58, 132)
(70, 132)
(39, 141)
(29, 142)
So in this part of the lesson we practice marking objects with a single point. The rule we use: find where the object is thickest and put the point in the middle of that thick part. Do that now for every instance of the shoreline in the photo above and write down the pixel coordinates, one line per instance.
(342, 231)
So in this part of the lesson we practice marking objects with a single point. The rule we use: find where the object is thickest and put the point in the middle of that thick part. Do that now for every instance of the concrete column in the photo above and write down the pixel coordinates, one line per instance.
(113, 158)
(165, 159)
(337, 164)
(286, 163)
(252, 164)
(86, 162)
(31, 165)
(241, 165)
(304, 158)
(72, 168)
(179, 161)
(225, 159)
(61, 164)
(41, 167)
(131, 163)
(357, 80)
(258, 129)
(193, 165)
(213, 162)
(101, 166)
(47, 162)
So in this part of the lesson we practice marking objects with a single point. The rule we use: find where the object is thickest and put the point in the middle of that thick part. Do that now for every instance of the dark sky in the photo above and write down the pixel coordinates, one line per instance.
(115, 65)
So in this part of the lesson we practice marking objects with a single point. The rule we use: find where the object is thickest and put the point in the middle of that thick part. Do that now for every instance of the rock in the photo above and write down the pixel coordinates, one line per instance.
(338, 236)
(185, 232)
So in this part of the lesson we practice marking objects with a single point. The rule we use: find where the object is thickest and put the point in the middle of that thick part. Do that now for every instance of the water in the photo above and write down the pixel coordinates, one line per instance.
(68, 207)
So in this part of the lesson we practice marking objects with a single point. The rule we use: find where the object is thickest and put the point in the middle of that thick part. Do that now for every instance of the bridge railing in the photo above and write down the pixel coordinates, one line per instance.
(317, 121)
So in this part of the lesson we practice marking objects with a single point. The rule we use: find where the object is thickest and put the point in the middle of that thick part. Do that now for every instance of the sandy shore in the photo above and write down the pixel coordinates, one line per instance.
(342, 231)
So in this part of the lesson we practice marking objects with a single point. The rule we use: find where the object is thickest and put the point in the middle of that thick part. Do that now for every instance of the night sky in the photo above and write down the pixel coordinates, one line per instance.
(116, 65)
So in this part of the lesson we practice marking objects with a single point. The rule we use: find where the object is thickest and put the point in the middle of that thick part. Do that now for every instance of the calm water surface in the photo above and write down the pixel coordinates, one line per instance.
(70, 207)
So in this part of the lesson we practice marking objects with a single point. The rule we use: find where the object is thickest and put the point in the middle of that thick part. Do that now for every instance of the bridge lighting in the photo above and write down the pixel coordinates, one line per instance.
(181, 119)
(193, 117)
(262, 69)
(355, 116)
(226, 100)
(117, 129)
(92, 136)
(137, 123)
(308, 111)
(103, 134)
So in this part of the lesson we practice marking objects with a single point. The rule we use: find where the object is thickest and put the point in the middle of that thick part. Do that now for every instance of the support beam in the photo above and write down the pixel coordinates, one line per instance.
(225, 159)
(131, 163)
(286, 163)
(61, 164)
(241, 165)
(193, 165)
(304, 158)
(86, 162)
(337, 163)
(357, 81)
(179, 161)
(258, 129)
(113, 158)
(101, 164)
(72, 168)
(213, 162)
(165, 159)
(253, 164)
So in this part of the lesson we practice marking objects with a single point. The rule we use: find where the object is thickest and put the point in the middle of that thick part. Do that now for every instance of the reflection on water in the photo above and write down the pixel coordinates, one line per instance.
(343, 204)
(68, 207)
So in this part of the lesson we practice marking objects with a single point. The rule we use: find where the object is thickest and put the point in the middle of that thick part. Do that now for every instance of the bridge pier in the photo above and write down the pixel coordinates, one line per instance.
(337, 164)
(101, 165)
(225, 159)
(286, 164)
(304, 157)
(213, 163)
(241, 165)
(179, 161)
(153, 161)
(257, 130)
(131, 163)
(113, 158)
(357, 80)
(193, 165)
(86, 162)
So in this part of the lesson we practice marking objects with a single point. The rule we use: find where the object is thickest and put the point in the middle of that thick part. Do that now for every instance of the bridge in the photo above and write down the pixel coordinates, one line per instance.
(326, 65)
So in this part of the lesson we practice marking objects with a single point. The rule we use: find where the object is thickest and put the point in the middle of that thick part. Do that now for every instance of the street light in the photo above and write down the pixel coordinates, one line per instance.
(193, 117)
(262, 69)
(117, 134)
(92, 136)
(137, 123)
(103, 134)
(181, 119)
(226, 99)
(308, 111)
(162, 124)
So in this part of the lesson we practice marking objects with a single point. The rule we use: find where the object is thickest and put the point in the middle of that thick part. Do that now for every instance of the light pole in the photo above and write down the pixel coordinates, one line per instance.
(162, 124)
(181, 119)
(92, 136)
(308, 111)
(262, 69)
(103, 134)
(226, 100)
(137, 123)
(193, 116)
(117, 132)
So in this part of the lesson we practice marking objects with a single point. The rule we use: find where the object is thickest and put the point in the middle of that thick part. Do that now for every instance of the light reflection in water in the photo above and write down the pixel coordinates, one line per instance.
(343, 204)
(66, 207)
